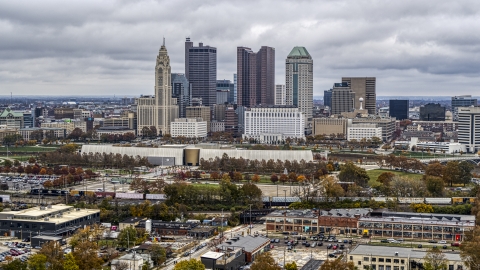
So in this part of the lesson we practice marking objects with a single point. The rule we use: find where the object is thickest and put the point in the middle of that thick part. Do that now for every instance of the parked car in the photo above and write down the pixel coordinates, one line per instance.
(455, 244)
(432, 241)
(442, 242)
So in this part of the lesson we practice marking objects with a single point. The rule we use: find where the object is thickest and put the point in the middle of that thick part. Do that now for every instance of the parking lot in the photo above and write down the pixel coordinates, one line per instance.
(15, 249)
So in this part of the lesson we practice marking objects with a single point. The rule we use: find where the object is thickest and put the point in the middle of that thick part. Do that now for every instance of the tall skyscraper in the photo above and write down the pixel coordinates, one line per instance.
(201, 71)
(398, 109)
(280, 94)
(299, 81)
(364, 87)
(343, 98)
(255, 76)
(469, 128)
(159, 110)
(181, 91)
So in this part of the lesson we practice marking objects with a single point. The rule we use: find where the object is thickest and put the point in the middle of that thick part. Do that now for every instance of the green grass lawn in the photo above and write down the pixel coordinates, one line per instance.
(373, 174)
(33, 149)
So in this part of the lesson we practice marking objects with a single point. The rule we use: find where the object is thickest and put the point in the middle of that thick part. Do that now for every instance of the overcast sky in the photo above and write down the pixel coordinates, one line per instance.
(413, 47)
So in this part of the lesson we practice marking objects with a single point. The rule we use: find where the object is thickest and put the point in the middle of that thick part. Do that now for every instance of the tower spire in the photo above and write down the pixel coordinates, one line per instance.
(163, 41)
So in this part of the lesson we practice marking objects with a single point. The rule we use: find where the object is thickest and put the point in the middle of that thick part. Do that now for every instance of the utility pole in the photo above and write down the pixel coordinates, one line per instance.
(222, 226)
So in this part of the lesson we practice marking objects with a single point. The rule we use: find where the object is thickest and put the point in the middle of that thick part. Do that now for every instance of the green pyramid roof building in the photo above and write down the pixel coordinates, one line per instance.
(299, 52)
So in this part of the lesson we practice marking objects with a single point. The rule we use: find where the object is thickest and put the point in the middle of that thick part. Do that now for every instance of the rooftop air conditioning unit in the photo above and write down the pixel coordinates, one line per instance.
(46, 219)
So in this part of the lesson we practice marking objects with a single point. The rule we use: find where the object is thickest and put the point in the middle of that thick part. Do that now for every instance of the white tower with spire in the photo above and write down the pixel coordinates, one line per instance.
(160, 110)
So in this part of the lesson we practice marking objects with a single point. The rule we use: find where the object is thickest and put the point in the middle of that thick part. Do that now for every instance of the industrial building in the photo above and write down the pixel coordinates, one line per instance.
(51, 220)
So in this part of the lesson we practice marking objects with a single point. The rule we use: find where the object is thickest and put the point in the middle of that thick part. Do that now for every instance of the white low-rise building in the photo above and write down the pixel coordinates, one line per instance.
(443, 147)
(397, 258)
(189, 127)
(274, 124)
(131, 261)
(437, 147)
(363, 131)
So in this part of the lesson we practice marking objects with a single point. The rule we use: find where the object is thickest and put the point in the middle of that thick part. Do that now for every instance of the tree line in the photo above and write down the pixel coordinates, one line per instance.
(227, 164)
(94, 160)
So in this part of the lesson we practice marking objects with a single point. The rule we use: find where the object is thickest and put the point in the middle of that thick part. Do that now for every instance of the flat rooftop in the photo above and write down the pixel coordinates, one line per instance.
(58, 213)
(371, 250)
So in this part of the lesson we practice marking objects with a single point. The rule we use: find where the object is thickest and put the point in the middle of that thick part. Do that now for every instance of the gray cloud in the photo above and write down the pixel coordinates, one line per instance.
(106, 47)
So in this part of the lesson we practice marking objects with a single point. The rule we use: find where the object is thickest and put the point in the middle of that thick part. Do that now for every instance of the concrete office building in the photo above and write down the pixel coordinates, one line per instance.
(181, 90)
(255, 76)
(200, 112)
(280, 95)
(201, 71)
(274, 124)
(387, 125)
(363, 87)
(128, 121)
(189, 127)
(218, 112)
(53, 133)
(69, 126)
(231, 120)
(469, 128)
(217, 126)
(329, 126)
(342, 99)
(432, 112)
(299, 81)
(63, 112)
(398, 109)
(158, 111)
(11, 119)
(462, 101)
(363, 131)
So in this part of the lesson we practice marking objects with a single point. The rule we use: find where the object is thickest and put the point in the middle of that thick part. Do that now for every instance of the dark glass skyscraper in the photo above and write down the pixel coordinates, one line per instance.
(201, 71)
(181, 91)
(432, 112)
(399, 109)
(327, 98)
(255, 76)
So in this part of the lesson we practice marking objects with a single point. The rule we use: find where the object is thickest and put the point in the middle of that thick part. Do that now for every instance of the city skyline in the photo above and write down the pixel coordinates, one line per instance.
(101, 49)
